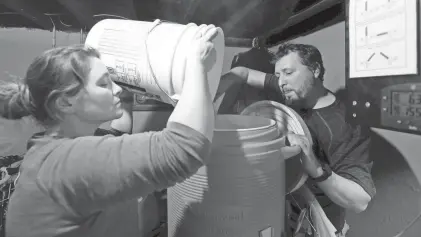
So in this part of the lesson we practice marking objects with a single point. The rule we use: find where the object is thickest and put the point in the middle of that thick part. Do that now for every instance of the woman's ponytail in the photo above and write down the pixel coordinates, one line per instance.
(14, 100)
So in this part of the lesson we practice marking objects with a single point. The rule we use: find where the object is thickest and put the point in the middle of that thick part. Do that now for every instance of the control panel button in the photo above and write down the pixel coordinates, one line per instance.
(399, 121)
(354, 115)
(367, 104)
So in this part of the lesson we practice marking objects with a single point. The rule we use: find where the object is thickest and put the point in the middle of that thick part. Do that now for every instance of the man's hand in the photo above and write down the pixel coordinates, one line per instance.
(310, 162)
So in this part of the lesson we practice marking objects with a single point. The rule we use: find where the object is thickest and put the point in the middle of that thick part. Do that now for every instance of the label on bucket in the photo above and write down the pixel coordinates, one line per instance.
(143, 56)
(127, 79)
(226, 222)
(122, 47)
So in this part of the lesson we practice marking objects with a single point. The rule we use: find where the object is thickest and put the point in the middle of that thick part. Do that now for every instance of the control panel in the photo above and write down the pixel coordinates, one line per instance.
(401, 106)
(382, 58)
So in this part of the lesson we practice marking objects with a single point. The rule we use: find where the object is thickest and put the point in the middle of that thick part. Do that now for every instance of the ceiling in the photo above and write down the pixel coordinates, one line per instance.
(242, 20)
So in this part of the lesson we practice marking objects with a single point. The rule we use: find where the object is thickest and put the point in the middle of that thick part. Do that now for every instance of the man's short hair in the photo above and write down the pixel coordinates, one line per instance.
(310, 56)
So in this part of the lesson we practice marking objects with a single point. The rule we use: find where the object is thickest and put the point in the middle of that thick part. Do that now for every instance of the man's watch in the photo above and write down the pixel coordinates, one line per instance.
(327, 172)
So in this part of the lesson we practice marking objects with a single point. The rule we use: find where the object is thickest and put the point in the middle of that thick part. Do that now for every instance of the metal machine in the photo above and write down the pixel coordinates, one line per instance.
(383, 81)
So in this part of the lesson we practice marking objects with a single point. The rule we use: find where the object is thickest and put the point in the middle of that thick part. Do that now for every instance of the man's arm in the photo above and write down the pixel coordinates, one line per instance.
(242, 76)
(345, 192)
(350, 185)
(253, 78)
(268, 83)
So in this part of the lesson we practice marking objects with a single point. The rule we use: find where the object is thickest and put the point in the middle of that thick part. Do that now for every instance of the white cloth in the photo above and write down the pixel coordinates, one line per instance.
(321, 225)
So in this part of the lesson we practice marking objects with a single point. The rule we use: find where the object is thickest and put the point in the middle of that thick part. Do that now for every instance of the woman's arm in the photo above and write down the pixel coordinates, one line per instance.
(195, 107)
(91, 173)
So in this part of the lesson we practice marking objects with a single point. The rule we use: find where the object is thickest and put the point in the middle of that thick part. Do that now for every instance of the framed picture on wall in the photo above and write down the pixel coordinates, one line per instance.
(382, 38)
(144, 103)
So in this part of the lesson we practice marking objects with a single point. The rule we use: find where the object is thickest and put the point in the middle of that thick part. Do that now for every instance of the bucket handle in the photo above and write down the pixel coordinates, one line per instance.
(172, 101)
(153, 26)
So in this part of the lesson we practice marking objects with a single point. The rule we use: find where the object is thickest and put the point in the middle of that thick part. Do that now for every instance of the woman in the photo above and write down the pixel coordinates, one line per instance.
(76, 184)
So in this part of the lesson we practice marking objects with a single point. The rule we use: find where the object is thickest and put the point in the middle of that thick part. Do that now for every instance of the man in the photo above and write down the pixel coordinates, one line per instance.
(338, 163)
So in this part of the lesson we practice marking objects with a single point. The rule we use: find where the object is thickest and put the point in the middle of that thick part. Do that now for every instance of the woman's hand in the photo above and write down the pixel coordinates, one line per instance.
(202, 48)
(195, 107)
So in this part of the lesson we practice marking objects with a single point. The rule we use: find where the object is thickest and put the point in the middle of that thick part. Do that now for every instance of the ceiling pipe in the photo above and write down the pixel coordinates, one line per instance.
(28, 10)
(302, 16)
(311, 11)
(191, 9)
(238, 42)
(239, 15)
(54, 33)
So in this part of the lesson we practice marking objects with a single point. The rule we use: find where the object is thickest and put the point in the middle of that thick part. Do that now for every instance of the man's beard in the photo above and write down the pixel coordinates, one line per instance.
(295, 102)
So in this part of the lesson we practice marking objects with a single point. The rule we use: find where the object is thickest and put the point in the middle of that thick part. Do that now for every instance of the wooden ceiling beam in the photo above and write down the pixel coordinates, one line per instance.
(211, 10)
(311, 11)
(191, 10)
(81, 10)
(304, 14)
(239, 15)
(29, 10)
(121, 8)
(258, 18)
(339, 18)
(276, 19)
(146, 10)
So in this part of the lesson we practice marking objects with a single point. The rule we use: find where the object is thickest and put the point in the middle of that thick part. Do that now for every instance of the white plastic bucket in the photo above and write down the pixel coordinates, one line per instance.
(149, 58)
(240, 192)
(288, 121)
